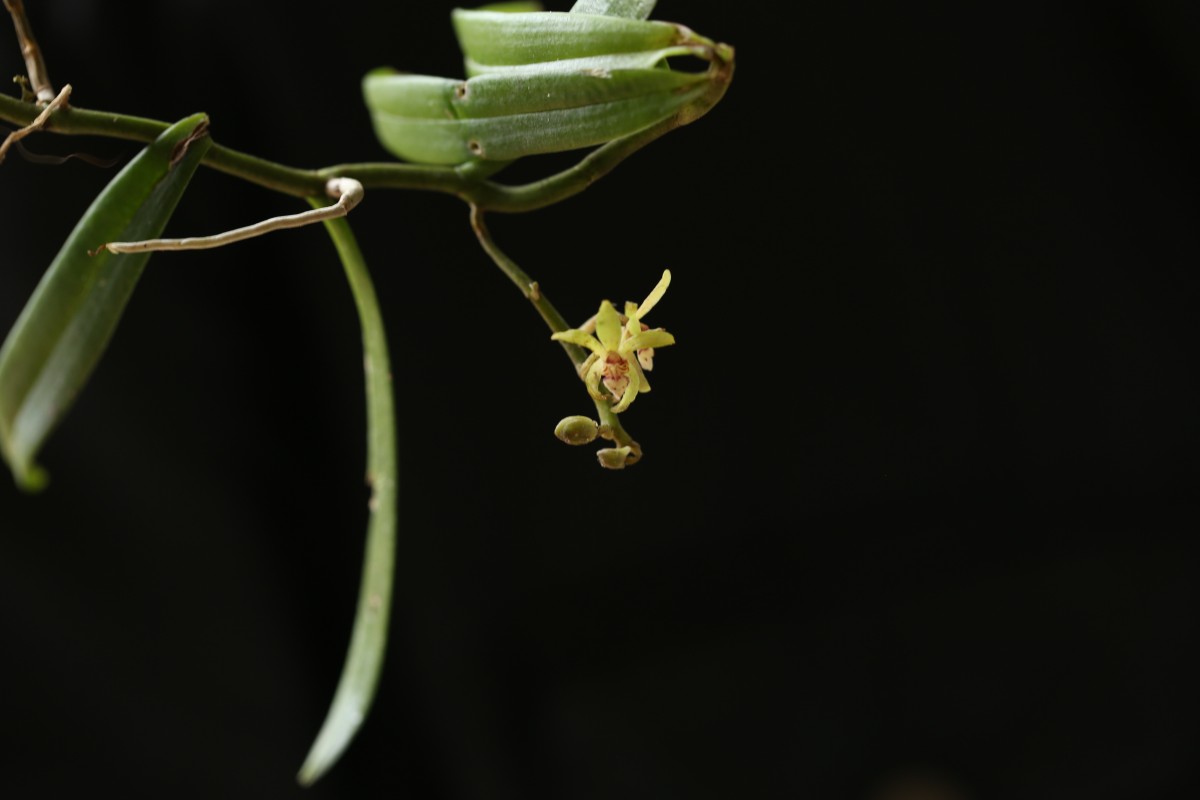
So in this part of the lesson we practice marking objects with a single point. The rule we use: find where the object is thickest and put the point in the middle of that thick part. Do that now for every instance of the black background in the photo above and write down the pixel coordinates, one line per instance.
(917, 516)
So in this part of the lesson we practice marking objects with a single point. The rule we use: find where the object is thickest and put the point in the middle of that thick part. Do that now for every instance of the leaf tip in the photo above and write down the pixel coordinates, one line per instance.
(30, 478)
(340, 726)
(35, 479)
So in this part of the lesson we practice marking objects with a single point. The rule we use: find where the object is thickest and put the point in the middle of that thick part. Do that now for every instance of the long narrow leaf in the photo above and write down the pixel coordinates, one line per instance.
(364, 660)
(68, 322)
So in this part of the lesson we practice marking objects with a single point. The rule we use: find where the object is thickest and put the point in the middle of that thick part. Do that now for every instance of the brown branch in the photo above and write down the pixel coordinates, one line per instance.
(35, 65)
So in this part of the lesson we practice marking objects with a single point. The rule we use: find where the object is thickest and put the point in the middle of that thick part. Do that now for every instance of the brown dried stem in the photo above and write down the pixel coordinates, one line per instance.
(35, 65)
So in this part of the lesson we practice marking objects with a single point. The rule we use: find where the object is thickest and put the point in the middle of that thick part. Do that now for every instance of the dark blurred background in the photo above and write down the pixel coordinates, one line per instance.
(917, 519)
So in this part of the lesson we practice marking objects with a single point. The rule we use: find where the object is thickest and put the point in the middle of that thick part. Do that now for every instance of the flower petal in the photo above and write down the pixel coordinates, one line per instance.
(586, 366)
(633, 323)
(608, 326)
(592, 380)
(655, 294)
(645, 384)
(576, 336)
(631, 391)
(656, 337)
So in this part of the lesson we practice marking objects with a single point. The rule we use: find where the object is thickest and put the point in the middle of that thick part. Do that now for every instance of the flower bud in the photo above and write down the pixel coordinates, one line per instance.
(577, 430)
(613, 457)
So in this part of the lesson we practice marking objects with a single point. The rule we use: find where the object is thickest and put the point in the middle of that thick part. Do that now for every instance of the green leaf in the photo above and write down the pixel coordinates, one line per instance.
(67, 323)
(364, 659)
(494, 38)
(506, 116)
(505, 94)
(630, 9)
(512, 7)
(648, 59)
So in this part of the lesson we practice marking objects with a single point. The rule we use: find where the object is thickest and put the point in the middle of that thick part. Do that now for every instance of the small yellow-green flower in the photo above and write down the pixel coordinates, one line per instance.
(622, 348)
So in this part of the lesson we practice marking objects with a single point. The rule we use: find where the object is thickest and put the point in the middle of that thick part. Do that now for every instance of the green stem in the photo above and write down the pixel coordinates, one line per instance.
(619, 434)
(382, 175)
(494, 196)
(554, 320)
(526, 285)
(364, 659)
(468, 184)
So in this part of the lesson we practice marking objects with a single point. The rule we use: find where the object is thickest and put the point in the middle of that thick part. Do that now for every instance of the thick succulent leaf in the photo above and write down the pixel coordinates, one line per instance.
(494, 38)
(509, 94)
(505, 94)
(513, 7)
(648, 59)
(541, 82)
(407, 95)
(499, 138)
(68, 322)
(630, 9)
(595, 64)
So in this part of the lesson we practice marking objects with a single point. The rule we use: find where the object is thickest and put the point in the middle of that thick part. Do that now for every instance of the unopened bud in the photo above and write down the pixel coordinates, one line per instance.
(613, 457)
(577, 430)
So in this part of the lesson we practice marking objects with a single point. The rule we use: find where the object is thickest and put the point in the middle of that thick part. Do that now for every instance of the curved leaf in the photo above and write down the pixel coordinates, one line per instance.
(492, 37)
(508, 94)
(502, 117)
(364, 659)
(67, 323)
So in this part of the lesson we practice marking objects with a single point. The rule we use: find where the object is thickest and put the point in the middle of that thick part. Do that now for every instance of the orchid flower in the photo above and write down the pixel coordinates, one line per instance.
(622, 349)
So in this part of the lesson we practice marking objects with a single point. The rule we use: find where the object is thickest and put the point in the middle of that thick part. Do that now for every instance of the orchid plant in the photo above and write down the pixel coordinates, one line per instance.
(601, 77)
